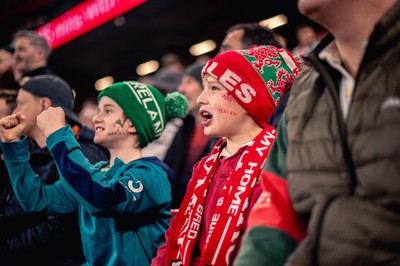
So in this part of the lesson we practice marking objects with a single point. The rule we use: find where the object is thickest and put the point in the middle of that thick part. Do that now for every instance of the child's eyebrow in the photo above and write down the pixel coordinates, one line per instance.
(108, 105)
(99, 108)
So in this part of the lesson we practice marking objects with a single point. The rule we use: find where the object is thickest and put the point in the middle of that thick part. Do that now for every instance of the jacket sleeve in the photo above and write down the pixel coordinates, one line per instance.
(133, 189)
(41, 235)
(161, 257)
(274, 228)
(31, 192)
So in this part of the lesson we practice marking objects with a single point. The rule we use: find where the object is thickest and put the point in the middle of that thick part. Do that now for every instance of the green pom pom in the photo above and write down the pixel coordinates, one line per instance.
(176, 105)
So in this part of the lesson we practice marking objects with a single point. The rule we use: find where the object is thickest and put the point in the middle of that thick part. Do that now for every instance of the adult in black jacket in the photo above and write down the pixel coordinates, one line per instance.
(189, 144)
(181, 163)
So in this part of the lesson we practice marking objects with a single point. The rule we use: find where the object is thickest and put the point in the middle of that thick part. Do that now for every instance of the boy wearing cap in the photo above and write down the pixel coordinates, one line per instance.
(41, 238)
(124, 203)
(241, 90)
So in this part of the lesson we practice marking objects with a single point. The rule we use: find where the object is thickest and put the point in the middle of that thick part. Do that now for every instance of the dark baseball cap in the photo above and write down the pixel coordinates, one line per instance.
(54, 88)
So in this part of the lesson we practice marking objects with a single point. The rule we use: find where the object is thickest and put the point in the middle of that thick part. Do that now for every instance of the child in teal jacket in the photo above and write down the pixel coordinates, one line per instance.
(124, 204)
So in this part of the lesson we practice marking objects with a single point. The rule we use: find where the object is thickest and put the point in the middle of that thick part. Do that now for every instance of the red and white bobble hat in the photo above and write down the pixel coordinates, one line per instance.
(257, 78)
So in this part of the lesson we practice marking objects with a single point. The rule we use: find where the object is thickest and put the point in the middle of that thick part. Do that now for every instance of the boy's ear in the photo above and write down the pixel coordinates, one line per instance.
(132, 128)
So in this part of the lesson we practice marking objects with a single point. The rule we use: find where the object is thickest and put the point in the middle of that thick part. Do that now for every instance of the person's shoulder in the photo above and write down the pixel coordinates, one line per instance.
(40, 71)
(147, 164)
(155, 162)
(199, 164)
(150, 167)
(308, 76)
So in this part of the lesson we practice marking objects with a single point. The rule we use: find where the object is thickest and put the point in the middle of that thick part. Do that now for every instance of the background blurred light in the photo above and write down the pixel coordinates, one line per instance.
(147, 67)
(102, 83)
(274, 22)
(202, 47)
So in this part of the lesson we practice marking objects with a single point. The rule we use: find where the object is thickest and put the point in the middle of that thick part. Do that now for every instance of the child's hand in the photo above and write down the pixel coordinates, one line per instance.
(51, 120)
(12, 127)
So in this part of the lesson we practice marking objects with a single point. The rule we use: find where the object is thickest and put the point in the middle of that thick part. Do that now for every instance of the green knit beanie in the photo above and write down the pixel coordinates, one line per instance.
(146, 107)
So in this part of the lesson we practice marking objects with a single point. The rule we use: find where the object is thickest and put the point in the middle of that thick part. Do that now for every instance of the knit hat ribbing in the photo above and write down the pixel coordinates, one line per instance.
(257, 78)
(146, 107)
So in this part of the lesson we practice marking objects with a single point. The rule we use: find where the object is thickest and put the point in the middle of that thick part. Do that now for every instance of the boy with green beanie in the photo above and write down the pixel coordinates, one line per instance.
(124, 204)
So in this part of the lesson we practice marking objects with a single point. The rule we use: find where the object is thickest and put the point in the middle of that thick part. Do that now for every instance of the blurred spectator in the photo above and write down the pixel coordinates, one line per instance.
(281, 39)
(307, 39)
(31, 54)
(8, 93)
(202, 59)
(8, 86)
(167, 78)
(172, 62)
(88, 112)
(247, 35)
(6, 59)
(146, 79)
(190, 143)
(8, 96)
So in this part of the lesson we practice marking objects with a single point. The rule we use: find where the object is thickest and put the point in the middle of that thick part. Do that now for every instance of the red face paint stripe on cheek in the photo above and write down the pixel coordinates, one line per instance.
(228, 97)
(226, 112)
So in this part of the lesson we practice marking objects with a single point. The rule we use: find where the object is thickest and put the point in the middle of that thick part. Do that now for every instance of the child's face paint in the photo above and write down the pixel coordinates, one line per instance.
(110, 123)
(118, 125)
(222, 115)
(228, 97)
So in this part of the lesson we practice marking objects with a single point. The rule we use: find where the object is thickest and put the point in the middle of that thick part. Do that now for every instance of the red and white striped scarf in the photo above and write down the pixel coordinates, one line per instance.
(230, 209)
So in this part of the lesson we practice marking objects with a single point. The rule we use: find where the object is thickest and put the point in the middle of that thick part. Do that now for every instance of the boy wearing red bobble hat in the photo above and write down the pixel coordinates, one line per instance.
(124, 204)
(241, 91)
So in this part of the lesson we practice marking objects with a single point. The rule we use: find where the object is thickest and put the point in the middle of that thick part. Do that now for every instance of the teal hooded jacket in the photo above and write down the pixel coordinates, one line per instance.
(123, 211)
